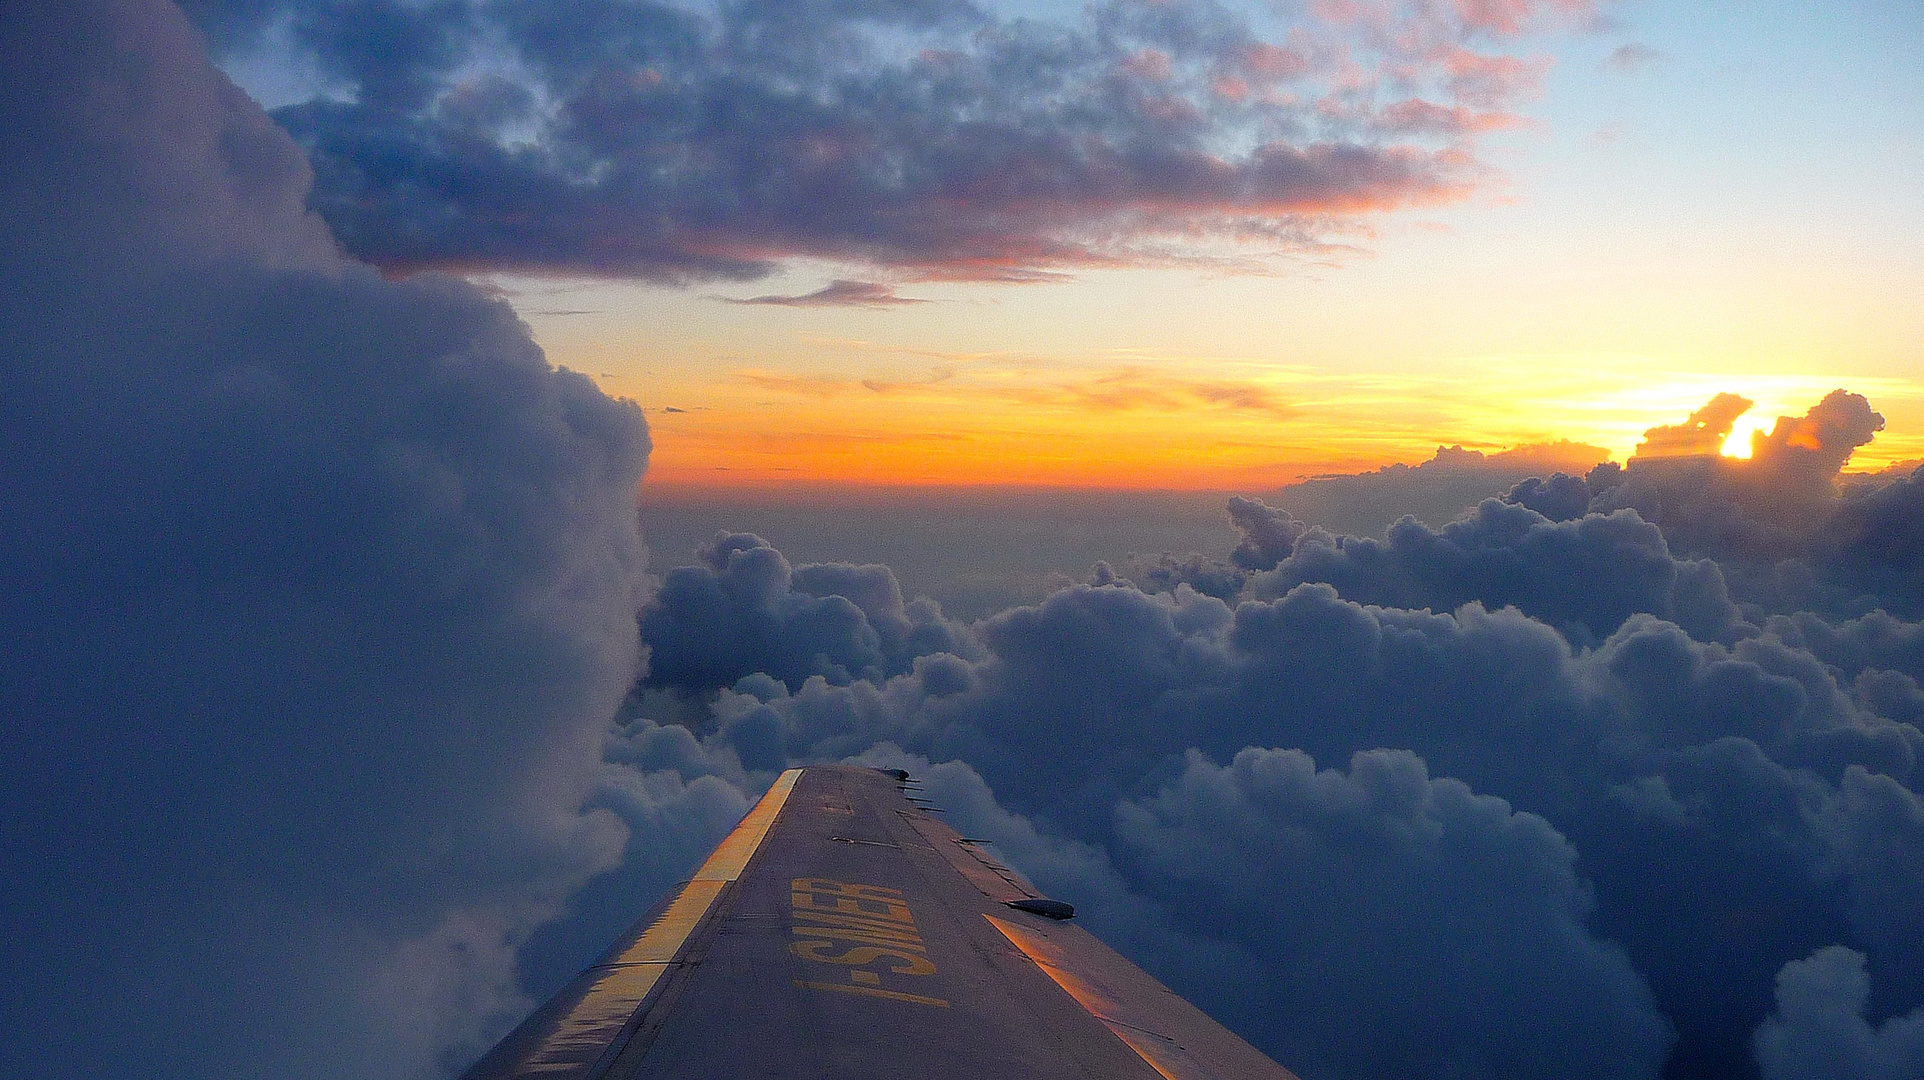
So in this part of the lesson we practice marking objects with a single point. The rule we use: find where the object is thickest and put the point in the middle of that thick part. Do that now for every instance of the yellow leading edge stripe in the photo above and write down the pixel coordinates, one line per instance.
(626, 980)
(728, 861)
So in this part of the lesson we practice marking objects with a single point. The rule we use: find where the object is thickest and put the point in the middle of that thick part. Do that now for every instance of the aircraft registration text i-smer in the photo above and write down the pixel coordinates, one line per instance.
(841, 931)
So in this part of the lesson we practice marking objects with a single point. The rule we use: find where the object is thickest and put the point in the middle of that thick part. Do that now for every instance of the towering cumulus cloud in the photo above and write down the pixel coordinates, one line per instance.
(318, 592)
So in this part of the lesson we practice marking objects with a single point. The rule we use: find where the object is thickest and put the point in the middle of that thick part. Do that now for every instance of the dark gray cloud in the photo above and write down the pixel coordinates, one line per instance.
(1435, 492)
(678, 796)
(1401, 892)
(748, 611)
(1746, 773)
(1876, 644)
(935, 138)
(1166, 572)
(1279, 868)
(1584, 576)
(1873, 543)
(318, 591)
(1269, 534)
(1789, 529)
(1562, 497)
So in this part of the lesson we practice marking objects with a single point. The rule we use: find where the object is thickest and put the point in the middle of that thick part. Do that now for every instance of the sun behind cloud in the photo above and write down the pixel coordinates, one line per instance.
(1741, 433)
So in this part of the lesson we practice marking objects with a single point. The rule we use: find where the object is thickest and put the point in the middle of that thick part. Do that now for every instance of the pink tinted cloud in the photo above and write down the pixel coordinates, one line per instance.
(1151, 64)
(1265, 62)
(1413, 115)
(1490, 80)
(1495, 19)
(1230, 88)
(1508, 18)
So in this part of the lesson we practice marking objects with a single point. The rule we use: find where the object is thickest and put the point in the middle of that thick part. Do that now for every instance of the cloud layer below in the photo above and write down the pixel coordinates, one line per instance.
(1556, 789)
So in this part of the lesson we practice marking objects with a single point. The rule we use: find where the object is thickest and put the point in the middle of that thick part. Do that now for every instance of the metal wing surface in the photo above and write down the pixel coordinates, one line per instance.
(841, 931)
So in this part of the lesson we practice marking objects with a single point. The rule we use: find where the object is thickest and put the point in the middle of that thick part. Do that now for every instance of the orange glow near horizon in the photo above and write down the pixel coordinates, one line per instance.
(1160, 427)
(1123, 428)
(1155, 381)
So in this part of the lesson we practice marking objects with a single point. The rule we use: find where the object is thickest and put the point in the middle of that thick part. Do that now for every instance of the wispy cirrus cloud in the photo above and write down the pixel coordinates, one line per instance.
(933, 139)
(1633, 58)
(821, 386)
(841, 292)
(1115, 391)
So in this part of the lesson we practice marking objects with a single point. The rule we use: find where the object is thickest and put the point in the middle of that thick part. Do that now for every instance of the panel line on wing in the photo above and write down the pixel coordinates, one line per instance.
(869, 991)
(1158, 1051)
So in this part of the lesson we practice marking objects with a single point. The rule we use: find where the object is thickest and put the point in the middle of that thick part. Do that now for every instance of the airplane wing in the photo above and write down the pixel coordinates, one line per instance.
(841, 931)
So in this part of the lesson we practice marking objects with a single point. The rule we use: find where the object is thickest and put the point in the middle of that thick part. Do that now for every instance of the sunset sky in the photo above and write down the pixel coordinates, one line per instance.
(960, 355)
(1681, 200)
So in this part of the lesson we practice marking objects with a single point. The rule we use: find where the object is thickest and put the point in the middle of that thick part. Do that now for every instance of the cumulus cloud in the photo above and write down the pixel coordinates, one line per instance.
(1702, 435)
(747, 611)
(1062, 866)
(939, 139)
(1714, 792)
(1873, 543)
(1435, 492)
(1787, 526)
(1819, 1031)
(678, 797)
(1584, 576)
(1873, 645)
(318, 590)
(1453, 921)
(1269, 534)
(1773, 503)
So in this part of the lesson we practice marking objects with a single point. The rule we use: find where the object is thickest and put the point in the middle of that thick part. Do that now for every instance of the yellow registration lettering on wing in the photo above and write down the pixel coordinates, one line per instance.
(839, 888)
(867, 931)
(861, 935)
(862, 955)
(894, 931)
